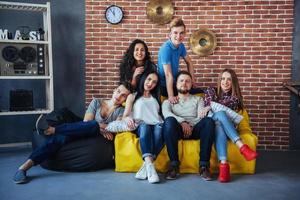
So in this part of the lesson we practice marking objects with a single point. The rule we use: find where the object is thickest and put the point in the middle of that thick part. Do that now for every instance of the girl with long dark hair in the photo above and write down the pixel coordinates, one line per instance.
(143, 110)
(135, 61)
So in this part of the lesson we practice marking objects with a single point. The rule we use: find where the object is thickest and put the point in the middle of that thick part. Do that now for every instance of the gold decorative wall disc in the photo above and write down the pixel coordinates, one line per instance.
(203, 42)
(160, 11)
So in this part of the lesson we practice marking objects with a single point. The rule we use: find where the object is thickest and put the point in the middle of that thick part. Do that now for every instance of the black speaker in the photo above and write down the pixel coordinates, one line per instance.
(21, 100)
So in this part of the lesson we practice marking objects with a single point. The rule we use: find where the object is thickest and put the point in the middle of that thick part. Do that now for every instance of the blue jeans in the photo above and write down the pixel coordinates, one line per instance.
(64, 133)
(151, 141)
(224, 129)
(203, 130)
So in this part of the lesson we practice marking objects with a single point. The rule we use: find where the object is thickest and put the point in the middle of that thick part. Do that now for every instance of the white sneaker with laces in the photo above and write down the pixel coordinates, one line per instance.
(142, 173)
(151, 173)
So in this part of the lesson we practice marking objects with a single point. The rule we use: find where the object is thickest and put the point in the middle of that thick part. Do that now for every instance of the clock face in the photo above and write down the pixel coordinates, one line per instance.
(114, 14)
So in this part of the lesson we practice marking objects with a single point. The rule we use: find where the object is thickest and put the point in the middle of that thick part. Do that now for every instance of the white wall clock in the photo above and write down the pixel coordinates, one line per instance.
(114, 14)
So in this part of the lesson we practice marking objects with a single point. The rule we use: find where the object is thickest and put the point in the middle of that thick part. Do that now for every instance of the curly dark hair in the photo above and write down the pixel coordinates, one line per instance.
(128, 61)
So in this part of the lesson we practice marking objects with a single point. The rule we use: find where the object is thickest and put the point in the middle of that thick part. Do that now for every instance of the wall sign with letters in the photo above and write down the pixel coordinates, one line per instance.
(23, 33)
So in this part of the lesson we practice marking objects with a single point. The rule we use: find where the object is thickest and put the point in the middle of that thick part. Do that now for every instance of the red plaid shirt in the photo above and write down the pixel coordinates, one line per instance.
(226, 99)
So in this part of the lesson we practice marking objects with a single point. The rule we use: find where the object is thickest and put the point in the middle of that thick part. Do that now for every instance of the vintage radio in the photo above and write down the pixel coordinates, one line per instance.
(22, 59)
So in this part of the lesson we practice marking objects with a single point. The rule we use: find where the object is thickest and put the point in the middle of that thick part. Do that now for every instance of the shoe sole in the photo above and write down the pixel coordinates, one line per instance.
(252, 158)
(21, 182)
(206, 179)
(223, 181)
(152, 182)
(171, 178)
(140, 178)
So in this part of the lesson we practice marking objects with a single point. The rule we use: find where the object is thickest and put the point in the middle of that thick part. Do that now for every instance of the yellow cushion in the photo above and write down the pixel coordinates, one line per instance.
(128, 155)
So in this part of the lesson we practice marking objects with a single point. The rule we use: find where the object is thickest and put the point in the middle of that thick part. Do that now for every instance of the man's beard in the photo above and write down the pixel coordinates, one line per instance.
(183, 91)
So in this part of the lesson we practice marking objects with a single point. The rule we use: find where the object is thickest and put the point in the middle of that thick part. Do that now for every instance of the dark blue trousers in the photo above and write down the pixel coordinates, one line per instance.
(64, 133)
(203, 130)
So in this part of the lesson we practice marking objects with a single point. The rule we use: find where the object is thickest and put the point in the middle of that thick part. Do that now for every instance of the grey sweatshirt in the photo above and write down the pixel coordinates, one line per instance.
(186, 110)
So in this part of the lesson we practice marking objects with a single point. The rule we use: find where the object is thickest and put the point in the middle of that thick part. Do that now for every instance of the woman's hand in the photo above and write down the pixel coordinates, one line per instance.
(102, 126)
(173, 100)
(130, 123)
(137, 71)
(204, 112)
(106, 134)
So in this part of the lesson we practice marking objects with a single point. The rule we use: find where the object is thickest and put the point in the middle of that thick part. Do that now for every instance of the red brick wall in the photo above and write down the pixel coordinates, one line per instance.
(254, 38)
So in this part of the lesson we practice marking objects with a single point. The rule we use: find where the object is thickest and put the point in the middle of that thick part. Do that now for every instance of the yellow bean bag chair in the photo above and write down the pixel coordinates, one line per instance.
(128, 156)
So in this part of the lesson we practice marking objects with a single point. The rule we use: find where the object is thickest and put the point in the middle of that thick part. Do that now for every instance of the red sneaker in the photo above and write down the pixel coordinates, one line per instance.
(248, 153)
(224, 172)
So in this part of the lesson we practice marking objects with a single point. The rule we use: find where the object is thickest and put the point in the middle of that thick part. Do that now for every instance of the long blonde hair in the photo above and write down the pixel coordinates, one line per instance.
(235, 89)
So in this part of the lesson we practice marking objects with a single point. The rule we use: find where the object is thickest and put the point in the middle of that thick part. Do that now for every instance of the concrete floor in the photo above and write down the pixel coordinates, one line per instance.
(277, 178)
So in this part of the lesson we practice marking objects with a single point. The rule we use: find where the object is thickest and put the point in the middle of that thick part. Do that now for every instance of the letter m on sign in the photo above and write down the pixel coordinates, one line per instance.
(3, 34)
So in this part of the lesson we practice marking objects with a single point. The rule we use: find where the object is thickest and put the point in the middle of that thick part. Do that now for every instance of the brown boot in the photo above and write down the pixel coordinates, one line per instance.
(172, 173)
(205, 173)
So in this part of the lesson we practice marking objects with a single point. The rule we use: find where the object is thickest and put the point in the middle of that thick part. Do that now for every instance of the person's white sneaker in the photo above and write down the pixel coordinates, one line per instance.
(142, 173)
(151, 173)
